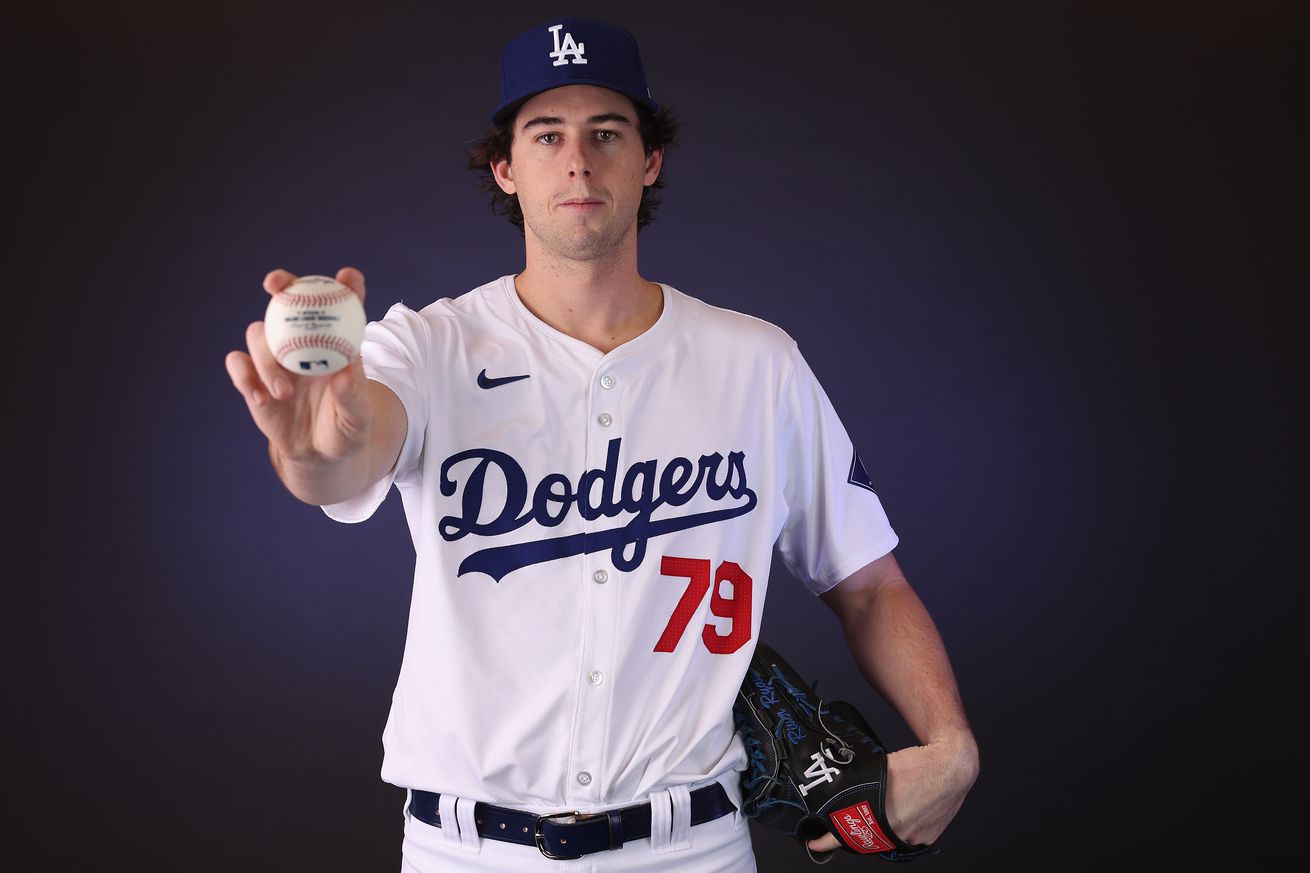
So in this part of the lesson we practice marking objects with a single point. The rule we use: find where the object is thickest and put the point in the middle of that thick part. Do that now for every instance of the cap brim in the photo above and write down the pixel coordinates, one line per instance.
(506, 111)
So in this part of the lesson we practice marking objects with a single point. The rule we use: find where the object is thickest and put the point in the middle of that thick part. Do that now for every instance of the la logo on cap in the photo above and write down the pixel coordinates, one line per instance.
(568, 47)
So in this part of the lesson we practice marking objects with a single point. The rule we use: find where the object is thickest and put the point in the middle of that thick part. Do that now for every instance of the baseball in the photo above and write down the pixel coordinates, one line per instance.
(314, 326)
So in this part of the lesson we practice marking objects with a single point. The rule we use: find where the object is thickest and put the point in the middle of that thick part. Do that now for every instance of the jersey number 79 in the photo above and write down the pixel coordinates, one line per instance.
(737, 607)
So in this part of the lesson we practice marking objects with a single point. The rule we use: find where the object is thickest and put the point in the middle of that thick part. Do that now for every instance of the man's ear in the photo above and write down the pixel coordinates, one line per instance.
(503, 172)
(654, 162)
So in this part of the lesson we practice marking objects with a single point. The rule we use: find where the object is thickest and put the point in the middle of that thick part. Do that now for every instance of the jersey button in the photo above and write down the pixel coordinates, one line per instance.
(607, 381)
(595, 677)
(604, 419)
(601, 576)
(584, 778)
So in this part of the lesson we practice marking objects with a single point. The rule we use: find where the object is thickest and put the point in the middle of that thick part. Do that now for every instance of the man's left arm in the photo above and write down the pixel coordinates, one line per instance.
(897, 647)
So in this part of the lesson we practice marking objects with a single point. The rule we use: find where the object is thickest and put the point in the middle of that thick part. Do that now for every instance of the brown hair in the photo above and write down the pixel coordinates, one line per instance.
(658, 130)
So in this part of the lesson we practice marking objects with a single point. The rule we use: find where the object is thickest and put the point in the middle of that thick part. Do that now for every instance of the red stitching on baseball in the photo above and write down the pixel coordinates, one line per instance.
(344, 347)
(303, 301)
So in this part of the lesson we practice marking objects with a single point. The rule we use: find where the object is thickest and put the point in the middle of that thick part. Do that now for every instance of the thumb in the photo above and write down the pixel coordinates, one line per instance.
(349, 389)
(825, 843)
(352, 279)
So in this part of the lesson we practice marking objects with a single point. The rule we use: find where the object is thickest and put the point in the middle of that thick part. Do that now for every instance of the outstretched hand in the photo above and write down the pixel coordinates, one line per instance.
(306, 418)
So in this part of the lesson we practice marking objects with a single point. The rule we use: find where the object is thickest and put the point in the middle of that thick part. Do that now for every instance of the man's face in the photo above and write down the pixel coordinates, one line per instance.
(578, 167)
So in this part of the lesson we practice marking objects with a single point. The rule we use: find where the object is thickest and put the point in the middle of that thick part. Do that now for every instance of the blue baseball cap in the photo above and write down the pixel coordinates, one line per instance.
(570, 51)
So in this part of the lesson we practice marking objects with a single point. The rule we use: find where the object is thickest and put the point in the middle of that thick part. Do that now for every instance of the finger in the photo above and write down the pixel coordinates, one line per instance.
(241, 370)
(825, 843)
(353, 279)
(276, 379)
(277, 280)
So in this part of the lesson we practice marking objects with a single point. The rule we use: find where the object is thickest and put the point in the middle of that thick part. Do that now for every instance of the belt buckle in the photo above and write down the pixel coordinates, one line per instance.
(541, 839)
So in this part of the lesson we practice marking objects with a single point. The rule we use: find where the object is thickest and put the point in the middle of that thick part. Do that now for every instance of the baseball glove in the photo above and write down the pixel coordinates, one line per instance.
(814, 767)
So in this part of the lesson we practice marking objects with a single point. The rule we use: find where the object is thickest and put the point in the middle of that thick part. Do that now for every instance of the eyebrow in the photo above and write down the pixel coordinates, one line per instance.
(547, 120)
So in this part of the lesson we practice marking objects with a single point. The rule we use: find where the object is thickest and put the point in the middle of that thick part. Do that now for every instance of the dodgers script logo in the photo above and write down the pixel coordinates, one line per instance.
(642, 489)
(568, 47)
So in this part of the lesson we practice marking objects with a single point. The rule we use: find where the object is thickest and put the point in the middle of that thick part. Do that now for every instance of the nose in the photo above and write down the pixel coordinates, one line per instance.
(578, 162)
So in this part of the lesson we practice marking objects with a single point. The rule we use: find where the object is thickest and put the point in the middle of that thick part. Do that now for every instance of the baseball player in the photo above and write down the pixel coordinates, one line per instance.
(596, 469)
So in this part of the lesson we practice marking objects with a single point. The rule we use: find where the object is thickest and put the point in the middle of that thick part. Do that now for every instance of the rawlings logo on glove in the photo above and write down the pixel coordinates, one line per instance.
(814, 767)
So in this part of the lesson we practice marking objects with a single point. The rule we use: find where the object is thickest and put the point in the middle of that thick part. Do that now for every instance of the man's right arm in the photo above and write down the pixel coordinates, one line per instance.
(329, 437)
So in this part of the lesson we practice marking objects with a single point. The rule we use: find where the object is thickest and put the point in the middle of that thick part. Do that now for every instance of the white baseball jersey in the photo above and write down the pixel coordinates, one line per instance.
(593, 537)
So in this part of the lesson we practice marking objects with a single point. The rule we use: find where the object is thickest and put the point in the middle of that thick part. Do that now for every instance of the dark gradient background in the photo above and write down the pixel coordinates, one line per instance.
(1043, 256)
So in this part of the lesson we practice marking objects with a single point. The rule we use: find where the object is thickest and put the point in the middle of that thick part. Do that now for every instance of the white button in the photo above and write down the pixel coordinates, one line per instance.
(595, 677)
(607, 381)
(605, 419)
(601, 576)
(584, 778)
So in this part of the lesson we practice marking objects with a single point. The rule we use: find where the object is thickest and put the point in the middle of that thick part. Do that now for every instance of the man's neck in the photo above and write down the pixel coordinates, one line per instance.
(604, 303)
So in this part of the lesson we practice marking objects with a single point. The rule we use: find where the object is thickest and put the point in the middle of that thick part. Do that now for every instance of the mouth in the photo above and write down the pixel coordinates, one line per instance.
(581, 203)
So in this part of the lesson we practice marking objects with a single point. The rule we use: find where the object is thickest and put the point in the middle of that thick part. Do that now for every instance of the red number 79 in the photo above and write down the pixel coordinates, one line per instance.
(737, 607)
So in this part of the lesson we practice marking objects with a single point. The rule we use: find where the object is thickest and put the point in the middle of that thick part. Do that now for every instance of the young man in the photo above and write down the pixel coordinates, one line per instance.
(595, 469)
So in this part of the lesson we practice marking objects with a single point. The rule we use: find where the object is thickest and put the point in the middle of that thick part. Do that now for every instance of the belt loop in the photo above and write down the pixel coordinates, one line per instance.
(661, 821)
(465, 814)
(616, 829)
(680, 829)
(449, 821)
(670, 820)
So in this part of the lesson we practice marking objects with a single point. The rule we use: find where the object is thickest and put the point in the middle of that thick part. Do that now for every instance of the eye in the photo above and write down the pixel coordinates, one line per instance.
(607, 135)
(548, 138)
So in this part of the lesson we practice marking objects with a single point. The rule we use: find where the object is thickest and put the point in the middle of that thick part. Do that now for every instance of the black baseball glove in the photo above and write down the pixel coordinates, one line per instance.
(814, 767)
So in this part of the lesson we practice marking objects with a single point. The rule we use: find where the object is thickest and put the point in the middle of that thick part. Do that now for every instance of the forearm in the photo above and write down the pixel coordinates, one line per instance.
(899, 650)
(897, 647)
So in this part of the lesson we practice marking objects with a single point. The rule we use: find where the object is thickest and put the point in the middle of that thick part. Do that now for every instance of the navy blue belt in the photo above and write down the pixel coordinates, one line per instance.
(567, 835)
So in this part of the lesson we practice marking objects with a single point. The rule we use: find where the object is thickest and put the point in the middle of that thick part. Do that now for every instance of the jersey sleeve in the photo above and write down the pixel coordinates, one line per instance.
(394, 352)
(835, 521)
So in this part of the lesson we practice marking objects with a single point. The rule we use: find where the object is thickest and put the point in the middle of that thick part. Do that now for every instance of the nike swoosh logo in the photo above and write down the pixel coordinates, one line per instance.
(484, 382)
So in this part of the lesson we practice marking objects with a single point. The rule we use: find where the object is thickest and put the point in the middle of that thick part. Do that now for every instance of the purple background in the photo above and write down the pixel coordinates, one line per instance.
(1040, 255)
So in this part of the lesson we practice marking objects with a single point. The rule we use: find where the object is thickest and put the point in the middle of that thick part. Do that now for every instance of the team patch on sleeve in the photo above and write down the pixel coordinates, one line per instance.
(859, 476)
